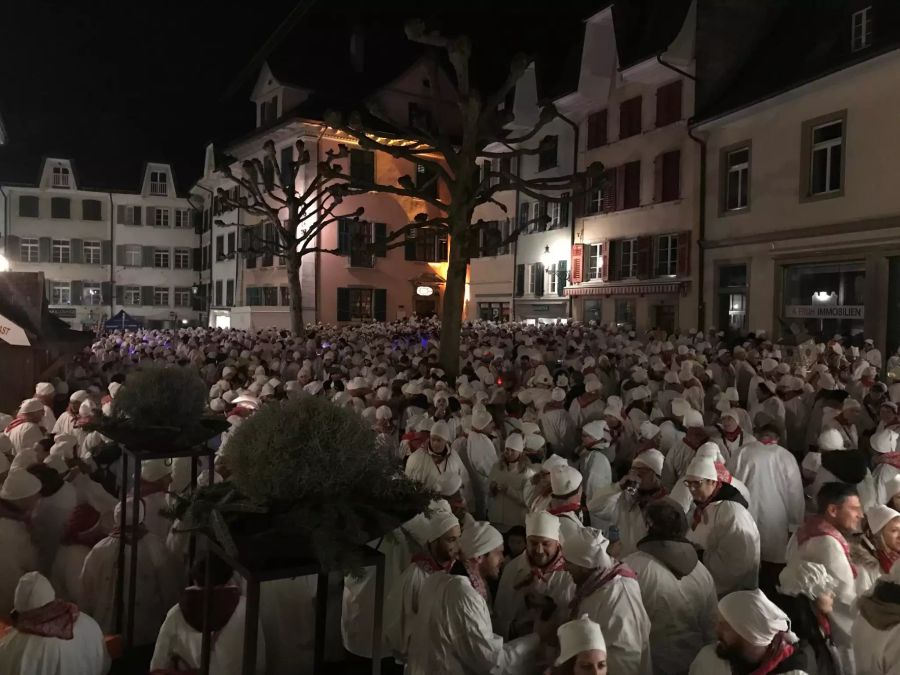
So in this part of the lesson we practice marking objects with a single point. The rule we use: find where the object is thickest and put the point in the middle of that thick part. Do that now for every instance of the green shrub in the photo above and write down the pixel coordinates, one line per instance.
(157, 396)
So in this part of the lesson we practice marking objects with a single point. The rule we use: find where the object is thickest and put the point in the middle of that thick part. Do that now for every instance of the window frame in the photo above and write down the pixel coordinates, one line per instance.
(181, 255)
(590, 256)
(59, 201)
(84, 210)
(162, 254)
(128, 295)
(597, 134)
(177, 294)
(182, 218)
(129, 251)
(161, 296)
(64, 254)
(725, 171)
(30, 199)
(808, 128)
(157, 179)
(359, 293)
(552, 283)
(64, 176)
(31, 244)
(161, 216)
(864, 28)
(57, 287)
(632, 265)
(91, 251)
(629, 104)
(96, 298)
(548, 153)
(672, 255)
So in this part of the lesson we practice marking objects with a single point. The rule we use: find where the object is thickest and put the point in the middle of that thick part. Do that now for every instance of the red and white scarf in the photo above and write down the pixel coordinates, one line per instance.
(428, 564)
(817, 526)
(19, 420)
(542, 573)
(598, 579)
(889, 458)
(54, 620)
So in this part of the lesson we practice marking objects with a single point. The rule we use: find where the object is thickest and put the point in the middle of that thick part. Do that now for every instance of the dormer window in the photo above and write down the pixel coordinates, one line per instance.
(861, 29)
(268, 111)
(60, 177)
(159, 183)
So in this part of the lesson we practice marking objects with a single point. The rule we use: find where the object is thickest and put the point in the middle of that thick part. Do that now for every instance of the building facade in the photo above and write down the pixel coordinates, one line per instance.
(803, 216)
(104, 251)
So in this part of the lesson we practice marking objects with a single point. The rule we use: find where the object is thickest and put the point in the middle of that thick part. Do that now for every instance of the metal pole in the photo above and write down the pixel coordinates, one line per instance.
(251, 624)
(192, 539)
(321, 613)
(120, 569)
(206, 645)
(135, 518)
(379, 612)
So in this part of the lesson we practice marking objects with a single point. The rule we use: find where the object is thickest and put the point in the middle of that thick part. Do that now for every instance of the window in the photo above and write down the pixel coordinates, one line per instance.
(631, 189)
(826, 158)
(736, 179)
(354, 239)
(91, 293)
(824, 299)
(362, 166)
(668, 103)
(524, 216)
(131, 255)
(60, 177)
(182, 258)
(861, 29)
(90, 252)
(268, 110)
(218, 297)
(60, 207)
(596, 129)
(60, 251)
(593, 310)
(270, 296)
(29, 250)
(220, 247)
(554, 213)
(732, 297)
(60, 293)
(132, 295)
(628, 258)
(595, 261)
(630, 117)
(159, 182)
(29, 206)
(493, 311)
(360, 304)
(161, 258)
(285, 161)
(284, 295)
(552, 280)
(229, 292)
(669, 176)
(667, 255)
(91, 209)
(128, 215)
(160, 296)
(534, 271)
(425, 246)
(426, 180)
(182, 296)
(625, 311)
(230, 248)
(547, 152)
(538, 223)
(161, 217)
(182, 217)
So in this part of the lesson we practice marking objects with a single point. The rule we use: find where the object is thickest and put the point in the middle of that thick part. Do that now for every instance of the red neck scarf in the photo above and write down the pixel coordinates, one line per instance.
(19, 420)
(54, 620)
(694, 443)
(475, 577)
(428, 564)
(541, 573)
(586, 399)
(598, 579)
(817, 526)
(565, 508)
(723, 474)
(700, 508)
(643, 499)
(415, 439)
(81, 526)
(777, 652)
(824, 624)
(82, 421)
(731, 436)
(889, 458)
(886, 559)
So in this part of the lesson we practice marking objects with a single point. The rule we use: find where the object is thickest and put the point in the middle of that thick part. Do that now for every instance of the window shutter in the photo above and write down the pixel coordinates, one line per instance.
(44, 249)
(343, 304)
(147, 295)
(658, 176)
(520, 280)
(561, 277)
(606, 257)
(671, 174)
(120, 295)
(644, 257)
(137, 214)
(105, 252)
(12, 248)
(564, 211)
(76, 250)
(631, 194)
(48, 290)
(345, 236)
(610, 189)
(380, 239)
(120, 214)
(76, 293)
(151, 215)
(120, 255)
(539, 282)
(683, 267)
(379, 304)
(577, 263)
(105, 292)
(196, 258)
(146, 256)
(409, 247)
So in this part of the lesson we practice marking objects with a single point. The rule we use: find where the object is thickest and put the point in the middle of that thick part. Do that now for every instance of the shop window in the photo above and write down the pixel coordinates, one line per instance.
(732, 298)
(593, 310)
(493, 311)
(625, 313)
(824, 299)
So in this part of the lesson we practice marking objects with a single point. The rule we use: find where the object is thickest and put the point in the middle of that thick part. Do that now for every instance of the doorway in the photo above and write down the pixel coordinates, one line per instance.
(664, 317)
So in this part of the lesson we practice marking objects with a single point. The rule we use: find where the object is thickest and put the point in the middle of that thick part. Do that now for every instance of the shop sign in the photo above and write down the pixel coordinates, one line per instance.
(424, 291)
(825, 312)
(63, 312)
(12, 333)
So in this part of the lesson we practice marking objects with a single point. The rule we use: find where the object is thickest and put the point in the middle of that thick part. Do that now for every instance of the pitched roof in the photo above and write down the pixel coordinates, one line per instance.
(810, 39)
(644, 28)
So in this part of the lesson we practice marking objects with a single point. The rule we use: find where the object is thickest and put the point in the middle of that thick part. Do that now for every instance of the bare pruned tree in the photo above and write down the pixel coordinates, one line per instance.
(271, 192)
(446, 146)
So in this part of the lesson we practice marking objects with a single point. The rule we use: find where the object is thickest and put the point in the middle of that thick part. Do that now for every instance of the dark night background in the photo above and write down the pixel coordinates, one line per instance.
(114, 84)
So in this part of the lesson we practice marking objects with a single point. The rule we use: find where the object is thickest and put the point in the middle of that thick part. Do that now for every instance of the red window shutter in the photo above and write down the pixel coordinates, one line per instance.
(631, 197)
(608, 273)
(671, 175)
(668, 104)
(596, 131)
(644, 256)
(684, 254)
(609, 190)
(577, 263)
(630, 117)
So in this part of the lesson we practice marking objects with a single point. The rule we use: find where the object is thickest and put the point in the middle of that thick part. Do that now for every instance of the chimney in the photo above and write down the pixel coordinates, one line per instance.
(358, 48)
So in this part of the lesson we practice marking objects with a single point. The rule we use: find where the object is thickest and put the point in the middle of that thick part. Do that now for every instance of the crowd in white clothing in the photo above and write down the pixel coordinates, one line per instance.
(604, 502)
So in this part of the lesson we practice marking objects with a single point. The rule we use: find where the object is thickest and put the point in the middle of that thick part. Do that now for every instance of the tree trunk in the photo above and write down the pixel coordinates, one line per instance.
(295, 296)
(452, 308)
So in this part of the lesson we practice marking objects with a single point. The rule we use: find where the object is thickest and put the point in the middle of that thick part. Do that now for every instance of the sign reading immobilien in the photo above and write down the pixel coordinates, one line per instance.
(825, 311)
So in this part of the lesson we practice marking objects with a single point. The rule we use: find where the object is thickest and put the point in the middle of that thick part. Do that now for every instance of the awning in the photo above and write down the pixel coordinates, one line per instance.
(608, 289)
(12, 333)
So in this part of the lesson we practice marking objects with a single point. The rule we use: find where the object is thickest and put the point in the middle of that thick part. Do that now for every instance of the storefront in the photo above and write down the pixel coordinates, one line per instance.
(642, 305)
(552, 310)
(824, 299)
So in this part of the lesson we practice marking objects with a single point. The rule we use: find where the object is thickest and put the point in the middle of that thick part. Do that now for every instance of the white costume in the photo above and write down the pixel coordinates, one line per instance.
(876, 631)
(49, 520)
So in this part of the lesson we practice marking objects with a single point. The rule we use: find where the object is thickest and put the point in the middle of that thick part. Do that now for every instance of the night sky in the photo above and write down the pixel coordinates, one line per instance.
(113, 84)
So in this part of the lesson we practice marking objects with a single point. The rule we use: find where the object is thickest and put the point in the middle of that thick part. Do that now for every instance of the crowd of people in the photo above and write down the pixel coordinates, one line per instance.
(608, 503)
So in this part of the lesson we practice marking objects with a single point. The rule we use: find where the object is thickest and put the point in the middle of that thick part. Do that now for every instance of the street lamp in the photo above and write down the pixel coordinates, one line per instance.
(546, 258)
